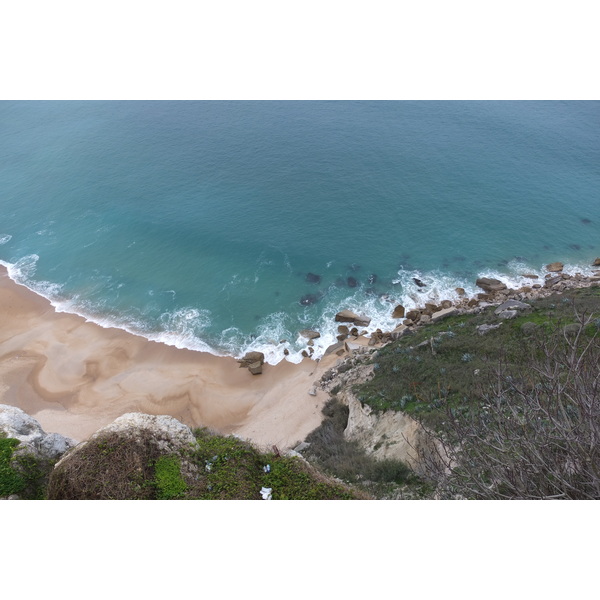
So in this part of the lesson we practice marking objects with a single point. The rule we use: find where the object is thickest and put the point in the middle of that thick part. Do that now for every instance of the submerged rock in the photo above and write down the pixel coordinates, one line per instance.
(351, 282)
(313, 278)
(309, 299)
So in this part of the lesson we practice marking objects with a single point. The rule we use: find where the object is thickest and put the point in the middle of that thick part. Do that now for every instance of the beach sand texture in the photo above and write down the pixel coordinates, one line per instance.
(75, 376)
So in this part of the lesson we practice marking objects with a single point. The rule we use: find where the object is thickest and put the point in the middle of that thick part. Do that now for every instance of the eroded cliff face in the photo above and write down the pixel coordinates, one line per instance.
(385, 435)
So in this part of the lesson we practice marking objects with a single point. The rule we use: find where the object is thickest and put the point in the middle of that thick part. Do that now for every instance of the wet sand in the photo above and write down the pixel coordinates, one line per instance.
(75, 376)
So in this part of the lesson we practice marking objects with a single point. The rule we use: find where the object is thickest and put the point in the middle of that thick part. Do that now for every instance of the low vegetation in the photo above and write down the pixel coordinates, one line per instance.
(516, 411)
(21, 474)
(331, 452)
(215, 468)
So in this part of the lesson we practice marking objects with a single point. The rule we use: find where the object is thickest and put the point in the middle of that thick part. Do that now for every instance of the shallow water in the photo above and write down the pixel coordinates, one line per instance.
(197, 223)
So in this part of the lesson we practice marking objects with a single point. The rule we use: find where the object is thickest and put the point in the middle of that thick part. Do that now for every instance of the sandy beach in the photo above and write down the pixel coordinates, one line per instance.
(75, 376)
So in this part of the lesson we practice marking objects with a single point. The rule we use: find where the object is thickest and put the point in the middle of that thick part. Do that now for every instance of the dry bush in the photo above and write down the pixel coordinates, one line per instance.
(536, 434)
(110, 467)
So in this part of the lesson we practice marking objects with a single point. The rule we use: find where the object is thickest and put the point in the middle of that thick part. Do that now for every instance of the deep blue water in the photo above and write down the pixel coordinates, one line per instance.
(198, 222)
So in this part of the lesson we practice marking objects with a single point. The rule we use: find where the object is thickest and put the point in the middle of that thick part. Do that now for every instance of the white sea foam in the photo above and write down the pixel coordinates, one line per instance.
(5, 237)
(186, 327)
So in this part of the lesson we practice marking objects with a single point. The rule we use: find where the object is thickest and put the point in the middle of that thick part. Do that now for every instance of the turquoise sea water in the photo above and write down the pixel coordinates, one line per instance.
(197, 223)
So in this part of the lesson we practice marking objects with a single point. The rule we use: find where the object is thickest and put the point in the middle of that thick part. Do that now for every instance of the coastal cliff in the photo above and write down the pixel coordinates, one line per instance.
(394, 406)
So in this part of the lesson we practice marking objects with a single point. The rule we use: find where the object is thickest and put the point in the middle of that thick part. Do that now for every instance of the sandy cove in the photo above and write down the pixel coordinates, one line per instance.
(75, 376)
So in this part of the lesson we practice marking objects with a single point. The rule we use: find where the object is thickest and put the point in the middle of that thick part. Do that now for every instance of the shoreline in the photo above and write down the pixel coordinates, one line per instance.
(75, 376)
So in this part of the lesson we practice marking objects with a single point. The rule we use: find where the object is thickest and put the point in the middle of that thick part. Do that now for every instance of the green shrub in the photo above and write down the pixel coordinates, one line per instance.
(11, 481)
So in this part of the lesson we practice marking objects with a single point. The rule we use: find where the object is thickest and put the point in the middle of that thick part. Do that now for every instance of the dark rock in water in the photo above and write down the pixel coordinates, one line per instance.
(309, 299)
(419, 282)
(575, 246)
(596, 263)
(343, 329)
(586, 221)
(313, 278)
(351, 282)
(354, 267)
(490, 285)
(372, 278)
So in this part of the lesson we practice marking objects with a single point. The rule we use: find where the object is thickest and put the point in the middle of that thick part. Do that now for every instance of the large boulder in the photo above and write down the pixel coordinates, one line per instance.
(596, 263)
(398, 312)
(309, 334)
(250, 358)
(15, 423)
(555, 267)
(347, 316)
(490, 285)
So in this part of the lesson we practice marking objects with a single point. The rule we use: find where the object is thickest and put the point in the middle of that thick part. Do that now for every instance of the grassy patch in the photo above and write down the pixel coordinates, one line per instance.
(168, 480)
(216, 468)
(447, 365)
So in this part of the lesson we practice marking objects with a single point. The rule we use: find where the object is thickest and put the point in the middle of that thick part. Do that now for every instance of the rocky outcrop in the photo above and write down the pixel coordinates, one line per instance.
(34, 440)
(313, 278)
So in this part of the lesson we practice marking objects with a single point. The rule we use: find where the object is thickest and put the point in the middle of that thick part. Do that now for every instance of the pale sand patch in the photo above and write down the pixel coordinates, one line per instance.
(74, 377)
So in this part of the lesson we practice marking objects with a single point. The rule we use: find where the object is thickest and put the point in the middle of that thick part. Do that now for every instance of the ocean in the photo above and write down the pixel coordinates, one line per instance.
(230, 226)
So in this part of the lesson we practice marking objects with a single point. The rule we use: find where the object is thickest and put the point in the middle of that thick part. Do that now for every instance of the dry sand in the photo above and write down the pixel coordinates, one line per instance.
(75, 376)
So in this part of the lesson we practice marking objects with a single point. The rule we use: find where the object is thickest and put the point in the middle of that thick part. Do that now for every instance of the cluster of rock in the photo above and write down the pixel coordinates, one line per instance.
(494, 292)
(253, 361)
